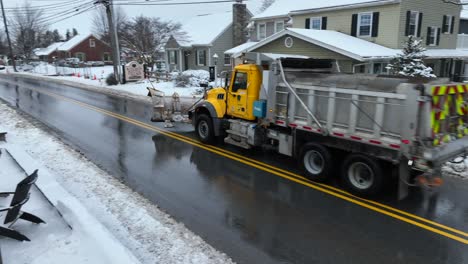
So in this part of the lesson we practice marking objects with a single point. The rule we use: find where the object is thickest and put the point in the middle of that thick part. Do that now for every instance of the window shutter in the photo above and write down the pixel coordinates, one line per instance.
(420, 24)
(444, 22)
(354, 25)
(175, 57)
(307, 23)
(428, 37)
(324, 23)
(375, 24)
(206, 61)
(453, 25)
(408, 18)
(438, 36)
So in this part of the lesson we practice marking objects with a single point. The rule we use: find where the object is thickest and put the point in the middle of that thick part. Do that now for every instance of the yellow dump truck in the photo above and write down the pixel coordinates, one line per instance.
(366, 126)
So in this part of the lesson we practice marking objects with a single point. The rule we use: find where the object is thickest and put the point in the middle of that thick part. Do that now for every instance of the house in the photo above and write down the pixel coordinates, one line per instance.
(208, 37)
(383, 25)
(45, 54)
(84, 47)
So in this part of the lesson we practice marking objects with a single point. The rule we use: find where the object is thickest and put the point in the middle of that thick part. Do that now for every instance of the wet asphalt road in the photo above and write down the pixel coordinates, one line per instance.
(252, 215)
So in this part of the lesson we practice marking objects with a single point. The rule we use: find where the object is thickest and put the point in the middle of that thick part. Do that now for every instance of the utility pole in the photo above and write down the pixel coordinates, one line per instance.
(113, 36)
(8, 37)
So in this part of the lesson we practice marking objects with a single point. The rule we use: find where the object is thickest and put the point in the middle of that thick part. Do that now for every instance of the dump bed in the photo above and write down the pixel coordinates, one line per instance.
(385, 112)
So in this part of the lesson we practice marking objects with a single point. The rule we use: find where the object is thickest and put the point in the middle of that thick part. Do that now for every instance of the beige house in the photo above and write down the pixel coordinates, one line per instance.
(385, 23)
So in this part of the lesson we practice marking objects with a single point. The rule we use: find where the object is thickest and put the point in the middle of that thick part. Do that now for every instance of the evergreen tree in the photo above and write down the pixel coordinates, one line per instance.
(74, 32)
(68, 35)
(56, 36)
(410, 63)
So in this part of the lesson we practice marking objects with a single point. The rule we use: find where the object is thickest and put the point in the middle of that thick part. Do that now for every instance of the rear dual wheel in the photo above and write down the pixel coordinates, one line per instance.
(362, 175)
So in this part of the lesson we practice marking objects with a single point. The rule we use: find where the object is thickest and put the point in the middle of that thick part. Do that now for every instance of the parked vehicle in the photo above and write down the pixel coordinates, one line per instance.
(367, 126)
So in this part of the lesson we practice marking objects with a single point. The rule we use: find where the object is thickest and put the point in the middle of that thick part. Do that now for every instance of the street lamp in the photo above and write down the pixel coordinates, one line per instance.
(215, 57)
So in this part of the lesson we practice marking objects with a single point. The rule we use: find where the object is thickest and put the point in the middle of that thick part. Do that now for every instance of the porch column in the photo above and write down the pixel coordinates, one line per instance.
(181, 60)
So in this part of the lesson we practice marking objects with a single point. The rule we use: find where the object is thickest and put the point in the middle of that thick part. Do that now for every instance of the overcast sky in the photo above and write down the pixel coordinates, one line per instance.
(82, 22)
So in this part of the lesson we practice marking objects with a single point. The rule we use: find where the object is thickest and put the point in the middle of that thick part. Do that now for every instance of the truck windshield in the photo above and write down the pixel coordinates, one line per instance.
(240, 81)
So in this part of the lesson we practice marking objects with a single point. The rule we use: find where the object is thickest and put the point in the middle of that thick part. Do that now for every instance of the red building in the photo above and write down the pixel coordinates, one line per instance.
(84, 47)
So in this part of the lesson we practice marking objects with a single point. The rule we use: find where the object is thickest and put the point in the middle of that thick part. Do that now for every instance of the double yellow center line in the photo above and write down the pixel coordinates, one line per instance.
(403, 216)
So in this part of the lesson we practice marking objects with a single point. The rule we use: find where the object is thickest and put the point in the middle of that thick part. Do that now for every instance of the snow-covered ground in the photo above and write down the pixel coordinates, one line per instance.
(150, 234)
(95, 76)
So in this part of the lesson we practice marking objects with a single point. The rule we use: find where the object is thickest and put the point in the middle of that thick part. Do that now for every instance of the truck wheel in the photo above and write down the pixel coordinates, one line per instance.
(316, 162)
(204, 129)
(362, 175)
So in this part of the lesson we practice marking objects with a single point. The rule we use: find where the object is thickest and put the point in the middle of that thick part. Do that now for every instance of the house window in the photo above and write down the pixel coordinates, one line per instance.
(448, 24)
(201, 57)
(413, 23)
(279, 26)
(227, 59)
(172, 57)
(379, 68)
(92, 43)
(432, 36)
(81, 56)
(106, 56)
(261, 31)
(316, 23)
(365, 24)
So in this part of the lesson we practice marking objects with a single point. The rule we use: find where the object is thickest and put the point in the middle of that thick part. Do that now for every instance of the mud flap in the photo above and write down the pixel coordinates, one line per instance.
(403, 179)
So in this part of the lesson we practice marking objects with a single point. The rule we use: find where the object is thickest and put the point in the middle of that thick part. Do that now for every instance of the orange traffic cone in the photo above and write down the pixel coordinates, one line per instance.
(79, 76)
(94, 78)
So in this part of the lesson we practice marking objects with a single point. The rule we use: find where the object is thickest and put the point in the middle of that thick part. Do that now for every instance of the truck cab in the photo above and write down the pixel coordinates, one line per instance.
(235, 101)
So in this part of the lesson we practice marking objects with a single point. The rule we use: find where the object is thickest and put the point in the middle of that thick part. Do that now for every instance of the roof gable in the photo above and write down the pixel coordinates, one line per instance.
(75, 41)
(203, 30)
(340, 43)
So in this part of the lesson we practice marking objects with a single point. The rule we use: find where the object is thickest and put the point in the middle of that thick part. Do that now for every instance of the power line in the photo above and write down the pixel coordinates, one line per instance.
(33, 7)
(151, 3)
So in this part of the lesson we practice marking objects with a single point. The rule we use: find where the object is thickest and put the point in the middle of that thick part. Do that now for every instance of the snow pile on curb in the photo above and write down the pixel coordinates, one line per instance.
(150, 234)
(192, 78)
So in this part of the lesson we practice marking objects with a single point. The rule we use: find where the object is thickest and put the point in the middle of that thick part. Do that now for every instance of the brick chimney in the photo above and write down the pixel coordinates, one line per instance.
(239, 22)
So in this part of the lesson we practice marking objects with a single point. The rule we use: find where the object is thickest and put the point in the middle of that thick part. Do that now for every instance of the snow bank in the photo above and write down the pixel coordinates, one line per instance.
(95, 76)
(150, 234)
(192, 78)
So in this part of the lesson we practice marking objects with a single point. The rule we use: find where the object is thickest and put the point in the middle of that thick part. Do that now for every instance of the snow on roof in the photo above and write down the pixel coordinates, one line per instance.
(276, 56)
(47, 51)
(70, 44)
(240, 49)
(446, 53)
(346, 45)
(281, 8)
(202, 30)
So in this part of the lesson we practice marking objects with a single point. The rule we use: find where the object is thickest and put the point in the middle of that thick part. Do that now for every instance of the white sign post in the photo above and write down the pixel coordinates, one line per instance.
(134, 71)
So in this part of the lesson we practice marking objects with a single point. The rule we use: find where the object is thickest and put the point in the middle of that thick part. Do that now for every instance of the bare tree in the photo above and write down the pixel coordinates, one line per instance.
(266, 4)
(27, 24)
(147, 36)
(3, 44)
(100, 26)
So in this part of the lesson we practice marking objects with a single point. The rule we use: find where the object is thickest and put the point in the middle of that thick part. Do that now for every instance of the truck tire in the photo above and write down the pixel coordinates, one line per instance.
(316, 162)
(362, 175)
(204, 129)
